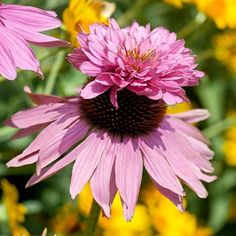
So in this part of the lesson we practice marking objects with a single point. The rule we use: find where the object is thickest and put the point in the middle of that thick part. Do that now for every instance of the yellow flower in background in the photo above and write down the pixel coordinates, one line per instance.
(225, 49)
(85, 200)
(180, 107)
(81, 13)
(168, 220)
(176, 3)
(66, 221)
(222, 12)
(229, 146)
(140, 224)
(116, 225)
(14, 210)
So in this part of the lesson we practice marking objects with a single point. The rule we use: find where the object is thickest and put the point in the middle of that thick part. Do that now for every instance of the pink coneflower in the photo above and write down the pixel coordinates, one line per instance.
(151, 63)
(20, 26)
(110, 147)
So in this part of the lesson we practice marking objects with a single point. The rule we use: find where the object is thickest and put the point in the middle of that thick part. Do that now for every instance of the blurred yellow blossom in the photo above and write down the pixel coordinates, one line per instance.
(66, 220)
(221, 11)
(14, 210)
(176, 3)
(180, 107)
(85, 200)
(229, 146)
(81, 13)
(140, 224)
(168, 220)
(225, 49)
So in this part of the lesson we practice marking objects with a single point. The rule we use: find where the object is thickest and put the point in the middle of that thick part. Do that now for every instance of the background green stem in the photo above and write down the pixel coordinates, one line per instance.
(92, 219)
(51, 80)
(219, 127)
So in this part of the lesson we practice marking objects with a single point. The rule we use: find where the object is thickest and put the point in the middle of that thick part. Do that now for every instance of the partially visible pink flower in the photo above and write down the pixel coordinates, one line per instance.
(110, 147)
(20, 26)
(151, 63)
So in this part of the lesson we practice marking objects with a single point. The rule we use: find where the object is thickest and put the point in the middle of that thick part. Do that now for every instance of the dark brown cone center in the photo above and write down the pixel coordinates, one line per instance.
(135, 116)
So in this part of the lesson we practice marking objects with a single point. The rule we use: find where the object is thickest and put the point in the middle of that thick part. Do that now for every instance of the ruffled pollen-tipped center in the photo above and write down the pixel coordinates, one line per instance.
(135, 116)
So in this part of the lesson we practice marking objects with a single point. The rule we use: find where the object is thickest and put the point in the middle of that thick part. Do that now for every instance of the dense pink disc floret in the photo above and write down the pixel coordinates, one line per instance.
(151, 63)
(20, 26)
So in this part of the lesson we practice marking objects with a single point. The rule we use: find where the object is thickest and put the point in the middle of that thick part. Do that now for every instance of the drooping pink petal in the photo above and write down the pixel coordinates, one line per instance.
(23, 159)
(39, 115)
(42, 98)
(183, 167)
(103, 184)
(19, 26)
(6, 58)
(87, 161)
(186, 128)
(173, 197)
(128, 174)
(60, 143)
(21, 55)
(28, 131)
(157, 166)
(93, 89)
(46, 134)
(29, 17)
(193, 116)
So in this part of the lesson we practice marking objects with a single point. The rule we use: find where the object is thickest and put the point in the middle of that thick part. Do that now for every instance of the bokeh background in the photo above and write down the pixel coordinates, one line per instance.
(209, 29)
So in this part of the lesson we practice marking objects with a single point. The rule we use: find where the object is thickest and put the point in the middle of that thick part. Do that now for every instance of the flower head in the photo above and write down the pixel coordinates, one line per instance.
(82, 13)
(20, 26)
(112, 146)
(151, 63)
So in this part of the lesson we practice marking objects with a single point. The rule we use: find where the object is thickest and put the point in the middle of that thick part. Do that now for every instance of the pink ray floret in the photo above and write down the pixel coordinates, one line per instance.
(174, 152)
(20, 26)
(151, 63)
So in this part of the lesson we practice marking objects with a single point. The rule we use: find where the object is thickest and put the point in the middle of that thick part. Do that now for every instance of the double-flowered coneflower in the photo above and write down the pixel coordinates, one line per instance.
(118, 124)
(19, 27)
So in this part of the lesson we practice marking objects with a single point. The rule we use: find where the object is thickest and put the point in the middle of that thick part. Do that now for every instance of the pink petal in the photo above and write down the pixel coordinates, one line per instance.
(183, 167)
(60, 143)
(128, 168)
(42, 98)
(187, 129)
(173, 197)
(103, 184)
(36, 38)
(41, 114)
(29, 17)
(28, 131)
(21, 52)
(22, 160)
(6, 58)
(192, 116)
(87, 161)
(157, 166)
(113, 97)
(93, 89)
(42, 138)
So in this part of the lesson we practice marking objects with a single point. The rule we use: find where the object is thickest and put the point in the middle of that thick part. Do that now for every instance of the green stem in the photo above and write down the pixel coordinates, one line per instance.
(129, 15)
(192, 25)
(219, 127)
(51, 80)
(45, 57)
(92, 219)
(205, 55)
